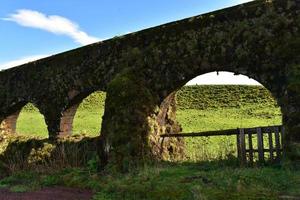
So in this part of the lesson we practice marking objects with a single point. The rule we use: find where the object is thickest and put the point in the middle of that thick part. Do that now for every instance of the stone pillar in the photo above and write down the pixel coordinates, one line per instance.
(132, 122)
(165, 123)
(291, 116)
(66, 121)
(52, 120)
(9, 124)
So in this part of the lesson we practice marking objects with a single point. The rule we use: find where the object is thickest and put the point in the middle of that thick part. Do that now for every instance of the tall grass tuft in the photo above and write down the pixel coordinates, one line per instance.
(23, 153)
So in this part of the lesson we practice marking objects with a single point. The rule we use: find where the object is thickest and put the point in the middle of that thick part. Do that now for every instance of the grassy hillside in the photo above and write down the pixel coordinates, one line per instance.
(202, 97)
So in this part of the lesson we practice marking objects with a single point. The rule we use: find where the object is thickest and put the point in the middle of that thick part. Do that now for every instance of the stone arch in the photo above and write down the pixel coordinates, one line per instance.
(133, 120)
(31, 122)
(88, 118)
(276, 87)
(133, 105)
(68, 115)
(66, 120)
(200, 117)
(274, 82)
(261, 78)
(275, 92)
(9, 123)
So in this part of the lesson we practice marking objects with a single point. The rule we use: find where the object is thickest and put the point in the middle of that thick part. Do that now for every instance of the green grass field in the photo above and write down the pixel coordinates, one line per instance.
(208, 148)
(180, 181)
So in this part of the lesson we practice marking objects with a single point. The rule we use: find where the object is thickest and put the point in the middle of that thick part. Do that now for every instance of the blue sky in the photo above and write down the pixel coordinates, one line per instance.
(33, 29)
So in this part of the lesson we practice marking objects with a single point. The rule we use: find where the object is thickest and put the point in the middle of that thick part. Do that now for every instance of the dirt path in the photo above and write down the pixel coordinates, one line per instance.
(53, 193)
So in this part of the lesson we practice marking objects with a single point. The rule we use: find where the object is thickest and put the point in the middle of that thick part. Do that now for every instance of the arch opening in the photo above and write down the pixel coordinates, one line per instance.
(212, 102)
(30, 122)
(84, 117)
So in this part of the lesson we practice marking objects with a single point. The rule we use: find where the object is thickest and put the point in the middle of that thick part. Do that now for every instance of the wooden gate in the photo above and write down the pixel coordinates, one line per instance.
(253, 144)
(268, 141)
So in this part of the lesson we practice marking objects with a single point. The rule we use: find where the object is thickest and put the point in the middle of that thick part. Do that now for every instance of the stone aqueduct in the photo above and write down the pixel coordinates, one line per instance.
(141, 71)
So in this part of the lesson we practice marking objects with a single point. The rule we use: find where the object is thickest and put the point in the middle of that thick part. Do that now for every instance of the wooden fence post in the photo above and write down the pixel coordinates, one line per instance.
(271, 145)
(250, 148)
(242, 146)
(238, 145)
(260, 145)
(277, 143)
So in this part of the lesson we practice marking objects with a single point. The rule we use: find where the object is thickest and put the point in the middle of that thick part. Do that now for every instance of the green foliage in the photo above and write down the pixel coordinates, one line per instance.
(93, 163)
(50, 180)
(41, 154)
(19, 188)
(21, 181)
(93, 101)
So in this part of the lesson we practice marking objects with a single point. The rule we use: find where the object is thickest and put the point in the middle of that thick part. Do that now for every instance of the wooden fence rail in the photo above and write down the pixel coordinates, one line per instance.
(245, 142)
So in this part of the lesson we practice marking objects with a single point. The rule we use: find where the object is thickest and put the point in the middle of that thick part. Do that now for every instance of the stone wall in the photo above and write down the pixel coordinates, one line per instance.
(9, 124)
(66, 121)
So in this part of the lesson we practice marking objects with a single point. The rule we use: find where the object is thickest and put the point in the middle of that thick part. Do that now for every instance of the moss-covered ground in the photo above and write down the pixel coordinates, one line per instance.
(210, 170)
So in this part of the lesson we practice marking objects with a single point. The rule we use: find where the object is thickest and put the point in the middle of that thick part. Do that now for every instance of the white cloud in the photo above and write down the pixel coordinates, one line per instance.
(224, 78)
(20, 61)
(52, 23)
(242, 1)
